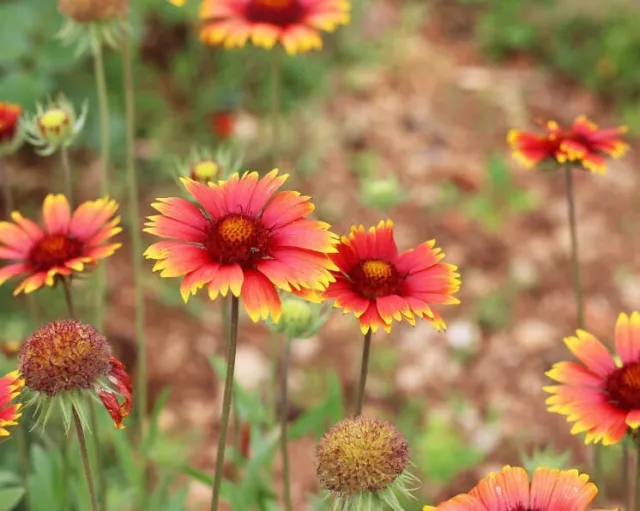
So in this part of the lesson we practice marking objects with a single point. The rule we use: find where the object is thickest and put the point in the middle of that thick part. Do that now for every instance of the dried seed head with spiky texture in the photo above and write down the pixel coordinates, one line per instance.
(361, 455)
(86, 11)
(66, 361)
(64, 356)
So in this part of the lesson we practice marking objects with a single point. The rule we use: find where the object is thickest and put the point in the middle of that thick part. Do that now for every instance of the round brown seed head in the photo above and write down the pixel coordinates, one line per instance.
(62, 356)
(85, 11)
(361, 454)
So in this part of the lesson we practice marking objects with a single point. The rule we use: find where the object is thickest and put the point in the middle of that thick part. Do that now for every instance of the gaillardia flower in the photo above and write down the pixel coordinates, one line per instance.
(55, 125)
(379, 285)
(67, 243)
(584, 144)
(245, 237)
(65, 361)
(10, 386)
(10, 136)
(600, 395)
(363, 462)
(295, 24)
(511, 490)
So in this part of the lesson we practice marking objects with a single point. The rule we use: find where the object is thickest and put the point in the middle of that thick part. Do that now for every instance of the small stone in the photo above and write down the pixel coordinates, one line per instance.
(534, 335)
(252, 367)
(463, 335)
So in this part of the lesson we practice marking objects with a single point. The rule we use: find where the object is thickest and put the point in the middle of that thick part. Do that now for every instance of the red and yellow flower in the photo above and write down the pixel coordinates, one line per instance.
(10, 386)
(296, 24)
(245, 237)
(10, 137)
(583, 144)
(9, 117)
(511, 490)
(68, 242)
(600, 395)
(379, 285)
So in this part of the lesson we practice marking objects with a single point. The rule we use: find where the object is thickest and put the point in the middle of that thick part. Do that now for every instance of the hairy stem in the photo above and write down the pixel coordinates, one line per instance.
(226, 402)
(7, 194)
(276, 78)
(85, 458)
(364, 368)
(66, 169)
(284, 412)
(575, 264)
(105, 142)
(23, 447)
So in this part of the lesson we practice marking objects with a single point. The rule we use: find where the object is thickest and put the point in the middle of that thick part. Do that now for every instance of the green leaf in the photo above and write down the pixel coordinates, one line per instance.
(24, 88)
(499, 176)
(10, 498)
(9, 478)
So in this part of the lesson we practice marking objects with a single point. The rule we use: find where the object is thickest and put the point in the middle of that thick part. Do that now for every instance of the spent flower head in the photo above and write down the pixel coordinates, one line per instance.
(55, 125)
(92, 23)
(65, 361)
(87, 11)
(11, 132)
(363, 462)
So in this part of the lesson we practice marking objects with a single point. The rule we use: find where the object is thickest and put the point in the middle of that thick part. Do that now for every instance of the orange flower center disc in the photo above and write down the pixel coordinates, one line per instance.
(54, 250)
(375, 277)
(238, 239)
(276, 12)
(623, 387)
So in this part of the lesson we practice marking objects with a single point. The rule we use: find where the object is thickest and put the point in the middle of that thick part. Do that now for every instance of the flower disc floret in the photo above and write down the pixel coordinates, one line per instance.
(10, 387)
(67, 243)
(64, 356)
(245, 237)
(512, 490)
(379, 285)
(361, 455)
(86, 11)
(205, 171)
(296, 24)
(600, 395)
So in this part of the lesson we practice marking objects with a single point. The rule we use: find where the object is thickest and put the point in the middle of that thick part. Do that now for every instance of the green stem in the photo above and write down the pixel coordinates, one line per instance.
(226, 402)
(66, 286)
(102, 477)
(637, 503)
(136, 238)
(364, 368)
(575, 264)
(85, 458)
(626, 482)
(66, 169)
(275, 105)
(7, 195)
(272, 391)
(23, 446)
(105, 142)
(284, 440)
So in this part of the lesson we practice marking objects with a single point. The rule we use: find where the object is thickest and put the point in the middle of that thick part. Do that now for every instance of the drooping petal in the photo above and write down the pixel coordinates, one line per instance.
(260, 297)
(119, 403)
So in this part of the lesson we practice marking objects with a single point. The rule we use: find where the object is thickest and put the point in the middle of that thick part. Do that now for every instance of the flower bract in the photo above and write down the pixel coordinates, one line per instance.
(378, 284)
(245, 237)
(10, 386)
(584, 145)
(512, 490)
(65, 360)
(68, 241)
(296, 24)
(601, 396)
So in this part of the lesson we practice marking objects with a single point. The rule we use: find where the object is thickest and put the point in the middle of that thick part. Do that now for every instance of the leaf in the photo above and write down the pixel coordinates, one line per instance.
(24, 88)
(10, 498)
(159, 405)
(499, 176)
(9, 478)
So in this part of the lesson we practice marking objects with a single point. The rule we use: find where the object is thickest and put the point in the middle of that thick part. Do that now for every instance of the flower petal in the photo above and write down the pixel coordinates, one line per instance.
(260, 297)
(627, 337)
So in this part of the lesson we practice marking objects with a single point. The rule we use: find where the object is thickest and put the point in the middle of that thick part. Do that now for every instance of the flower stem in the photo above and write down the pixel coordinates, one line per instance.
(105, 142)
(85, 458)
(23, 446)
(7, 195)
(575, 265)
(637, 503)
(364, 368)
(276, 70)
(136, 239)
(272, 391)
(66, 285)
(226, 402)
(66, 169)
(284, 413)
(626, 482)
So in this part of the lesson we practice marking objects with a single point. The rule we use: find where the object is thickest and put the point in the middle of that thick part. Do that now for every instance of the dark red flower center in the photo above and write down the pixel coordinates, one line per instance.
(375, 277)
(54, 250)
(238, 239)
(623, 387)
(276, 12)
